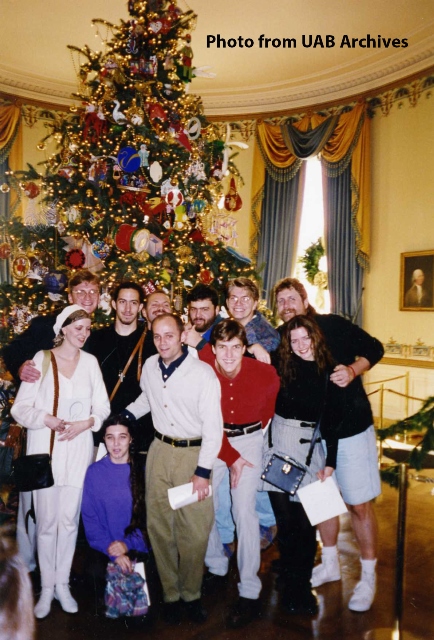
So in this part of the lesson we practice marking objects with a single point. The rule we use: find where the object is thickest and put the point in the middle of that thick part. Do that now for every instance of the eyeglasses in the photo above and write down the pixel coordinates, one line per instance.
(83, 293)
(243, 299)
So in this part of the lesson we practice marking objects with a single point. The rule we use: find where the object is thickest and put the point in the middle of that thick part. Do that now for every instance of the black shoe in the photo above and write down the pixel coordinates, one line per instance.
(212, 581)
(195, 611)
(243, 611)
(172, 612)
(303, 603)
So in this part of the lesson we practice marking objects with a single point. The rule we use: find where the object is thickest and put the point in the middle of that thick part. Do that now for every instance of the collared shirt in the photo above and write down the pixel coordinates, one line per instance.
(186, 405)
(167, 371)
(247, 398)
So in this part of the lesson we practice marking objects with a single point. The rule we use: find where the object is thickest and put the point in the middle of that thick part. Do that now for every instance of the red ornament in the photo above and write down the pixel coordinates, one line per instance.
(233, 200)
(75, 259)
(5, 250)
(31, 190)
(174, 197)
(149, 287)
(196, 235)
(206, 276)
(156, 112)
(123, 237)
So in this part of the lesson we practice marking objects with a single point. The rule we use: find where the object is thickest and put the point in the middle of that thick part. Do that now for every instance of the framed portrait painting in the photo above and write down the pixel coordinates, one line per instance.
(417, 281)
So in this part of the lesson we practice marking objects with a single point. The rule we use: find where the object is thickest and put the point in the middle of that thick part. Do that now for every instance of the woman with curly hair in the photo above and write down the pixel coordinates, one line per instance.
(113, 507)
(303, 364)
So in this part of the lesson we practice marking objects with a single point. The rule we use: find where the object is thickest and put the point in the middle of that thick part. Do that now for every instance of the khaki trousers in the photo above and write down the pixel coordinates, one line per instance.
(179, 538)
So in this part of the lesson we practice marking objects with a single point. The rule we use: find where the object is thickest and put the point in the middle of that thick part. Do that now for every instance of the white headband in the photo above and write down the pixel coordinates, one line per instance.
(63, 315)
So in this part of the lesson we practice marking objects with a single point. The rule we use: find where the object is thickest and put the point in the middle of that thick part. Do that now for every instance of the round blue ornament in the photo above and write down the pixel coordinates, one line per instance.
(129, 159)
(55, 281)
(100, 249)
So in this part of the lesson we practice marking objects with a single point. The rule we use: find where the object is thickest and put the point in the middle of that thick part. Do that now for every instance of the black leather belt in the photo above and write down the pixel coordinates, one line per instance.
(194, 442)
(234, 430)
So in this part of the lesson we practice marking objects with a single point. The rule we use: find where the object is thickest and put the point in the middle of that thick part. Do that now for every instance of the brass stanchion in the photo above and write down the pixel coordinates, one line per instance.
(396, 632)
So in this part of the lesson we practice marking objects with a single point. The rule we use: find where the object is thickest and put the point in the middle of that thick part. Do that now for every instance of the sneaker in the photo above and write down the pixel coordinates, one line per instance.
(63, 595)
(267, 535)
(363, 596)
(43, 607)
(327, 571)
(243, 611)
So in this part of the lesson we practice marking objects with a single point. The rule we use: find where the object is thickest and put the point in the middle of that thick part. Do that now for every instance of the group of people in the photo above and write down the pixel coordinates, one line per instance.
(209, 400)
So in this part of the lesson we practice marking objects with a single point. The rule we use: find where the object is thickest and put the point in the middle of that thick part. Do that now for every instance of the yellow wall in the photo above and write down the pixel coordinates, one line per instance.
(402, 217)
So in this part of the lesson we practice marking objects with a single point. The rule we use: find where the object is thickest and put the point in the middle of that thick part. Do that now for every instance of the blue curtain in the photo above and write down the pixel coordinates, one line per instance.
(280, 223)
(345, 275)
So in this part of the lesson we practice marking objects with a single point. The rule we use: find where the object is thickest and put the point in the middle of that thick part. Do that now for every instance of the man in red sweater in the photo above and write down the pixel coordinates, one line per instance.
(249, 389)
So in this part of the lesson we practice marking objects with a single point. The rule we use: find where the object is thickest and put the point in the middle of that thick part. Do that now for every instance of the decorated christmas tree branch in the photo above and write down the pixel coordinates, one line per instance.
(420, 422)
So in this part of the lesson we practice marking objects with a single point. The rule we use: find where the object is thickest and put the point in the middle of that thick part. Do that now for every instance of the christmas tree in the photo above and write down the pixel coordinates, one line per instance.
(132, 189)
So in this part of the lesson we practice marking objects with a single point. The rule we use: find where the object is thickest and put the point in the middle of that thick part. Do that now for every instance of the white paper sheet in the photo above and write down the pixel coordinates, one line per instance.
(140, 569)
(321, 501)
(183, 495)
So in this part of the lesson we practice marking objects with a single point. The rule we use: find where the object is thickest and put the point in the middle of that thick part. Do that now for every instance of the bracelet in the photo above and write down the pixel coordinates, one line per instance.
(352, 369)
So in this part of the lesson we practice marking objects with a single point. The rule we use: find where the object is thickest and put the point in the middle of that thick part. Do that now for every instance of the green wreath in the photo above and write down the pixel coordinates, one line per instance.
(310, 260)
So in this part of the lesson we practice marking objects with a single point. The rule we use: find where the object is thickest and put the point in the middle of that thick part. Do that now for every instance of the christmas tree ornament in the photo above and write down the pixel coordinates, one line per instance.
(206, 276)
(227, 149)
(144, 155)
(55, 281)
(128, 159)
(193, 128)
(156, 171)
(100, 249)
(149, 287)
(233, 200)
(174, 197)
(5, 188)
(5, 250)
(20, 316)
(75, 259)
(118, 116)
(20, 266)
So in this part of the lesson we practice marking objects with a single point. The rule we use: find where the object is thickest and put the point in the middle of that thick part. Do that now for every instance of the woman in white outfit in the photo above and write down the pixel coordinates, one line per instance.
(82, 406)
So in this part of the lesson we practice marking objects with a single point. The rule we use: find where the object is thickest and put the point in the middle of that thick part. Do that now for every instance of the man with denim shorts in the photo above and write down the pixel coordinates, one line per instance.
(356, 473)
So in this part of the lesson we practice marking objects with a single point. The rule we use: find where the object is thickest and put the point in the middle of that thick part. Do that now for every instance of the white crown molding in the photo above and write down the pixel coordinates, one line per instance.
(336, 84)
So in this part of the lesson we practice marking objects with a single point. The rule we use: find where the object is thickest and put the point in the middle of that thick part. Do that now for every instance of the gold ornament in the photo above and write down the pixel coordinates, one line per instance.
(143, 256)
(184, 252)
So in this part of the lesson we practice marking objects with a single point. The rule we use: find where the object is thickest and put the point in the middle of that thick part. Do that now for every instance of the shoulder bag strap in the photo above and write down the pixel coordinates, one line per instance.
(56, 396)
(316, 431)
(138, 346)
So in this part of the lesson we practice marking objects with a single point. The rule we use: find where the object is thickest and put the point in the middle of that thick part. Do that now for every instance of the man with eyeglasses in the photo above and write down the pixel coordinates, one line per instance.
(242, 302)
(83, 289)
(356, 472)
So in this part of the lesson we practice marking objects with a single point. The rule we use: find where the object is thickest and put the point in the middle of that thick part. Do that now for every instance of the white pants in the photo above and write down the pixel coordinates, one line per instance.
(57, 517)
(26, 541)
(245, 517)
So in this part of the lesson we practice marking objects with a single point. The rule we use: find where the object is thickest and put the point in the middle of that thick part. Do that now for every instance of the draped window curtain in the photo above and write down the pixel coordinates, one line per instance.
(10, 158)
(343, 143)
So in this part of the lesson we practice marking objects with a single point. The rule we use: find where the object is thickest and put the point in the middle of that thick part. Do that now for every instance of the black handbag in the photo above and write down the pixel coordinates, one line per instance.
(34, 472)
(285, 473)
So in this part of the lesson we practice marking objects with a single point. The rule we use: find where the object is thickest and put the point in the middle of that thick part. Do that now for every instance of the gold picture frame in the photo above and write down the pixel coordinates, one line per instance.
(417, 281)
